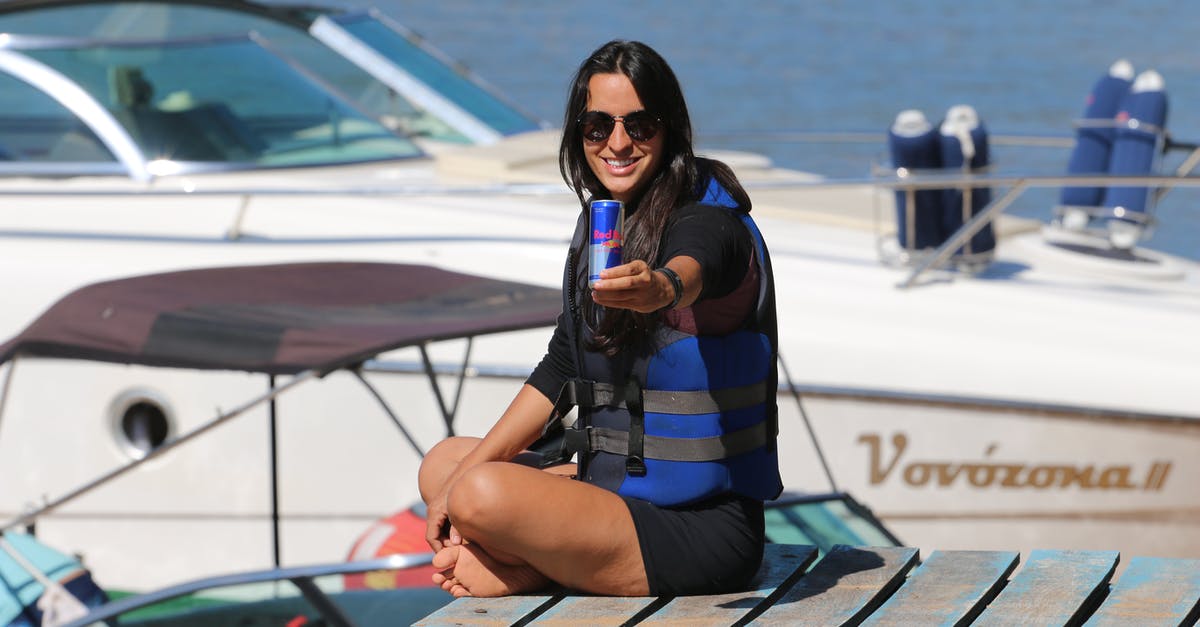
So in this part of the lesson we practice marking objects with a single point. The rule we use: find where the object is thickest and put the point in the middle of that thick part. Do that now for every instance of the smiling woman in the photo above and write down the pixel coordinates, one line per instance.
(622, 155)
(669, 358)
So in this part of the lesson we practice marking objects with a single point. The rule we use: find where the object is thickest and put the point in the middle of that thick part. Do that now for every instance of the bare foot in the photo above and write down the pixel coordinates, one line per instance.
(444, 560)
(467, 570)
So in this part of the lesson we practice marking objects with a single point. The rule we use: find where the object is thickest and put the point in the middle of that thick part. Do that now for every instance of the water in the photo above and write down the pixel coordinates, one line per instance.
(794, 66)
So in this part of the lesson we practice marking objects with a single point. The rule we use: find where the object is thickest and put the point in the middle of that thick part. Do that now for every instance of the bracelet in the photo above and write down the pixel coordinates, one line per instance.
(676, 282)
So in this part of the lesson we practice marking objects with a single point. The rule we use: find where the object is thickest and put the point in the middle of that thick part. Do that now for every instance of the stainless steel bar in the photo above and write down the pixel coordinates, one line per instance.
(126, 604)
(869, 394)
(447, 417)
(964, 233)
(916, 181)
(910, 219)
(329, 611)
(812, 434)
(235, 230)
(462, 376)
(966, 215)
(388, 410)
(1185, 168)
(12, 365)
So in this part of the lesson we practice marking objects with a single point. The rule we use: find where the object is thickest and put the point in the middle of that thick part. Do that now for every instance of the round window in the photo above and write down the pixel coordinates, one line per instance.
(141, 422)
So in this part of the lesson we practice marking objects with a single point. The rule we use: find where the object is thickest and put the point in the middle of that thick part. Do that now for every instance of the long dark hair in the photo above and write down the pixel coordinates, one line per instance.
(678, 180)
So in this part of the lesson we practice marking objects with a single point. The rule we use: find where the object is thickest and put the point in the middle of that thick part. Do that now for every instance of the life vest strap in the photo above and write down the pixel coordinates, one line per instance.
(706, 449)
(635, 457)
(704, 401)
(683, 402)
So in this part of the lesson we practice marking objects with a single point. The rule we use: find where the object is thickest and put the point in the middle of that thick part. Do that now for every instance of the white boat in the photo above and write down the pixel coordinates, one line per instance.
(1045, 401)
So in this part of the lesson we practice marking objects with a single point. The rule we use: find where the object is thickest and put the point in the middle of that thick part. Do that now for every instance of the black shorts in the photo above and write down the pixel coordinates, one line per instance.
(710, 547)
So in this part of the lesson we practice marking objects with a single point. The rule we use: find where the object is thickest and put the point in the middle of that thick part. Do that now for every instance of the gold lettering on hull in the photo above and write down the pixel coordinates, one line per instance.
(986, 473)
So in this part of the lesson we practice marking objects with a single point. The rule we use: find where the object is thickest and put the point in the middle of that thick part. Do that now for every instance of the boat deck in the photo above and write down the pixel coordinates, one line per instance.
(889, 586)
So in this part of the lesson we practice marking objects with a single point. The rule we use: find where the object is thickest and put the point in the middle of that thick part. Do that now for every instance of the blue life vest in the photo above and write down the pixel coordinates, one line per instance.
(696, 418)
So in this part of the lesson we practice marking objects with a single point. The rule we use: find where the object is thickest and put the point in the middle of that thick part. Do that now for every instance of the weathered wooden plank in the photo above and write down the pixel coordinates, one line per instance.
(595, 610)
(1054, 588)
(1152, 591)
(472, 611)
(782, 565)
(843, 588)
(948, 588)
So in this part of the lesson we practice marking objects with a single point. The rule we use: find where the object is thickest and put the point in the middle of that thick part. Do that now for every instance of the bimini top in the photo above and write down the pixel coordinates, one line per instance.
(278, 319)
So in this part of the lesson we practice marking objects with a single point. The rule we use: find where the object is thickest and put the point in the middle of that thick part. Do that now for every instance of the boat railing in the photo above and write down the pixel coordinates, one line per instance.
(1015, 186)
(788, 386)
(904, 181)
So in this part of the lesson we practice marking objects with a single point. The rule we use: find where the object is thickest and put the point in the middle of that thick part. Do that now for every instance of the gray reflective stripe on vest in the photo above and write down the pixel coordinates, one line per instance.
(686, 402)
(682, 449)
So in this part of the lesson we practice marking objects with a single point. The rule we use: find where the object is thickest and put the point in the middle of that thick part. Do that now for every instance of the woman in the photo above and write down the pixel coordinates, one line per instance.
(669, 359)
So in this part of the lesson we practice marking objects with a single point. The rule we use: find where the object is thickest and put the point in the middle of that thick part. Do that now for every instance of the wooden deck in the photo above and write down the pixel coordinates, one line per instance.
(889, 586)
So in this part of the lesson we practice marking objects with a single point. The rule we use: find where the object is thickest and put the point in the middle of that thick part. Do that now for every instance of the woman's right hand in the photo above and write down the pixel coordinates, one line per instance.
(439, 532)
(517, 428)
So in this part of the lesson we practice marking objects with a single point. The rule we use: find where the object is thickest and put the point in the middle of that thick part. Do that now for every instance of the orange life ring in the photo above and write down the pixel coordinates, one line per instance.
(400, 533)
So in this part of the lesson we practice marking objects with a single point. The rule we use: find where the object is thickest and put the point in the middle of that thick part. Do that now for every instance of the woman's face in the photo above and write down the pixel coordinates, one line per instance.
(623, 165)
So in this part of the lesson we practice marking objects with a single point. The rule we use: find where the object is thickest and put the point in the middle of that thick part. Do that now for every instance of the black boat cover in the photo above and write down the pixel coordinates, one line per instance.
(278, 319)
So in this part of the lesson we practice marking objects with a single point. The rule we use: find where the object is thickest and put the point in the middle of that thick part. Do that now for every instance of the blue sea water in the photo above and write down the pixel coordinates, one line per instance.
(760, 74)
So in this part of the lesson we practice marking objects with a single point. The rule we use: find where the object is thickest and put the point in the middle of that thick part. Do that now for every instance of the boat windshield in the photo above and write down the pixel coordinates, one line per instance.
(405, 49)
(824, 521)
(227, 101)
(386, 69)
(41, 132)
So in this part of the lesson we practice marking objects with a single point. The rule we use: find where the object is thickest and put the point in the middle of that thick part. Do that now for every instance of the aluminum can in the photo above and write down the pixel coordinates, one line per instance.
(608, 230)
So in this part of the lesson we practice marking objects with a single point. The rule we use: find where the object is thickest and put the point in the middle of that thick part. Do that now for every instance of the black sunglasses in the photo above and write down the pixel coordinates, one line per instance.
(641, 126)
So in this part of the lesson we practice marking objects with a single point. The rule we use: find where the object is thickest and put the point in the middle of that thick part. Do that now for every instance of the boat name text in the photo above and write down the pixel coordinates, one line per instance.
(1004, 474)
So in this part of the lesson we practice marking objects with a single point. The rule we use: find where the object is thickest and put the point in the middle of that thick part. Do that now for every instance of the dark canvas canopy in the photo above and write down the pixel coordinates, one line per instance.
(278, 319)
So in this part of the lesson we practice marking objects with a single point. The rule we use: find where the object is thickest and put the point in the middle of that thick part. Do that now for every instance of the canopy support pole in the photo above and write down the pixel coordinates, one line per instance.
(357, 370)
(812, 435)
(50, 506)
(274, 472)
(12, 365)
(448, 413)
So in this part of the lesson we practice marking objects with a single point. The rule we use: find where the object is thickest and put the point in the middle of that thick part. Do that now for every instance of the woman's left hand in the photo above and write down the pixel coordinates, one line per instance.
(633, 286)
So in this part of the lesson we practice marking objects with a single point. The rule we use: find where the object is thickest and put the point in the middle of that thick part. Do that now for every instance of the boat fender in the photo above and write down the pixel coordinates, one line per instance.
(1140, 133)
(1093, 141)
(964, 145)
(914, 145)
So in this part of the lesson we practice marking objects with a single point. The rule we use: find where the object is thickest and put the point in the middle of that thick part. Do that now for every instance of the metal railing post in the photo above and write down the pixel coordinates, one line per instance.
(965, 232)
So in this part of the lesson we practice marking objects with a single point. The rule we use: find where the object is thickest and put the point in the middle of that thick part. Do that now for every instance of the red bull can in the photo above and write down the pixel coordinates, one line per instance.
(608, 229)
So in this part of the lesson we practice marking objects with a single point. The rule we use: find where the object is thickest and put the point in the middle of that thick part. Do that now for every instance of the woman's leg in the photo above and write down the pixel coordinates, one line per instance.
(439, 462)
(447, 454)
(573, 533)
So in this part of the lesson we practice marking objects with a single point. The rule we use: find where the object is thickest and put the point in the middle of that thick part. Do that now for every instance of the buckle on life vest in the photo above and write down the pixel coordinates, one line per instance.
(580, 392)
(635, 464)
(577, 440)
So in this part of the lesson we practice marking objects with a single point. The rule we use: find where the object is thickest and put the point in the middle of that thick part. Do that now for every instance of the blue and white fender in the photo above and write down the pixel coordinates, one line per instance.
(1094, 141)
(963, 143)
(1141, 126)
(914, 145)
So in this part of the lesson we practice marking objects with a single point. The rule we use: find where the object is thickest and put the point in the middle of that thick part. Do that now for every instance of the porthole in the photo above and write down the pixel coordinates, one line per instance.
(141, 421)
